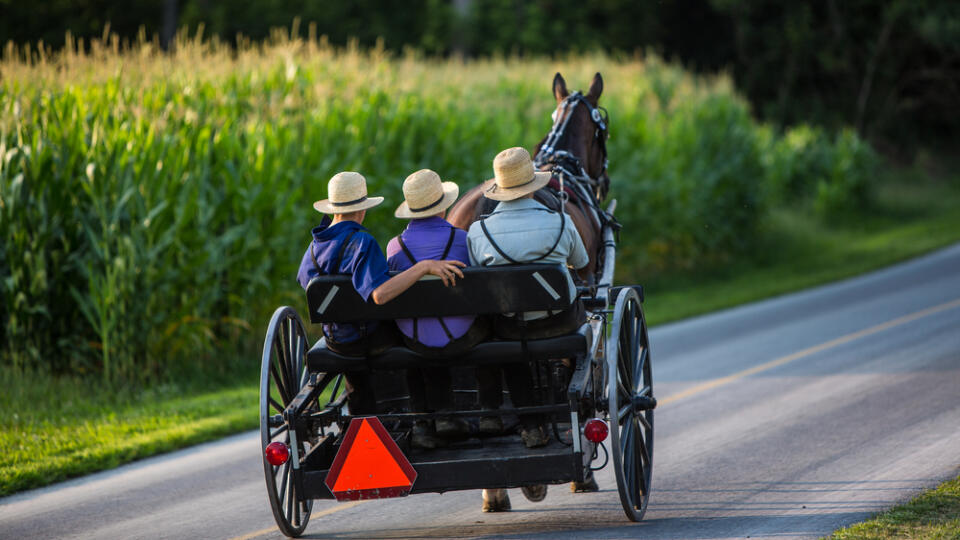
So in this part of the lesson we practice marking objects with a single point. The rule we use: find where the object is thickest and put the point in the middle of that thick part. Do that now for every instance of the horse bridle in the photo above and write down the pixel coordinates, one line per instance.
(569, 164)
(565, 165)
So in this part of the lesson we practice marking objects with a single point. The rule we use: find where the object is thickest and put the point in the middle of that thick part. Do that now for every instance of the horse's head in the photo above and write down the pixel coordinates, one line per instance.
(580, 131)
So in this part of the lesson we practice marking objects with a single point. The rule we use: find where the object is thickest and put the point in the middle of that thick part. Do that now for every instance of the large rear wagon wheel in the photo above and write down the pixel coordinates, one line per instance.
(631, 403)
(283, 372)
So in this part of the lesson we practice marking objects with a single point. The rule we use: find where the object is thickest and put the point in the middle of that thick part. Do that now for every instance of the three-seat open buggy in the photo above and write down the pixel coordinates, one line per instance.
(304, 420)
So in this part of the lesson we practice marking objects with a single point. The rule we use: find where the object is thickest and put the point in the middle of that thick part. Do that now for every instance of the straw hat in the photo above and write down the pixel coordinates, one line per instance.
(514, 176)
(348, 193)
(426, 195)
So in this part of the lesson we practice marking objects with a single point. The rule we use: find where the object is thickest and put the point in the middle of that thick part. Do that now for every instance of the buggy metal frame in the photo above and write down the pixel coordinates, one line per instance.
(607, 374)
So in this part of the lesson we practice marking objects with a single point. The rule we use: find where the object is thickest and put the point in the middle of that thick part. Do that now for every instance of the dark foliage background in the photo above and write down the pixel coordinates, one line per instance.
(890, 68)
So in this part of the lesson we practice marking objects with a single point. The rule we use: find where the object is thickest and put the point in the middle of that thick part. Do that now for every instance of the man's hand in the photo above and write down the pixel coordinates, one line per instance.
(445, 270)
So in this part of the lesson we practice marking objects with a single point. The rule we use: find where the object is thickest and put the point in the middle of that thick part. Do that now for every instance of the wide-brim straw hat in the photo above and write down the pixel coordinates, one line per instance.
(425, 195)
(347, 192)
(514, 176)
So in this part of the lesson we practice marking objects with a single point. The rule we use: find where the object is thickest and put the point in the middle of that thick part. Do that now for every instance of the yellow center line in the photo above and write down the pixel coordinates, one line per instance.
(703, 387)
(313, 515)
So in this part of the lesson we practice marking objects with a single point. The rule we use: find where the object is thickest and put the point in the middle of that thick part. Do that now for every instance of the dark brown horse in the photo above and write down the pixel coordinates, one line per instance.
(575, 149)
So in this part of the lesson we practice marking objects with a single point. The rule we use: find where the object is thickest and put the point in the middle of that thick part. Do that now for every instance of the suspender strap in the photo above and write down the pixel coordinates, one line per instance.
(406, 251)
(336, 263)
(313, 257)
(446, 250)
(483, 226)
(343, 248)
(413, 260)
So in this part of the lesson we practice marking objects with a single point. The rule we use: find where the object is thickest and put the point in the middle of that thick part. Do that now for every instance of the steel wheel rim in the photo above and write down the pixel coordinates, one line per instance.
(631, 432)
(283, 371)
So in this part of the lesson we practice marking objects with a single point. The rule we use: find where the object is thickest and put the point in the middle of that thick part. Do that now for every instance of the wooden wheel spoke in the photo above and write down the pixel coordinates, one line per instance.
(283, 480)
(643, 420)
(290, 497)
(280, 370)
(273, 403)
(626, 450)
(282, 353)
(639, 489)
(279, 431)
(623, 412)
(623, 362)
(296, 508)
(289, 363)
(625, 436)
(301, 356)
(644, 455)
(641, 365)
(278, 382)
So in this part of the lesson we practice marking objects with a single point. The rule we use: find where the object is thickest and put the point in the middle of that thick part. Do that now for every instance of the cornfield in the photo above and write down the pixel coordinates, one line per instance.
(154, 206)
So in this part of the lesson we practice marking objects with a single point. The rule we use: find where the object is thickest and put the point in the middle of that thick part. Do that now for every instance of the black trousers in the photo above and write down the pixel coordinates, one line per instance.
(567, 321)
(517, 375)
(431, 389)
(361, 397)
(519, 383)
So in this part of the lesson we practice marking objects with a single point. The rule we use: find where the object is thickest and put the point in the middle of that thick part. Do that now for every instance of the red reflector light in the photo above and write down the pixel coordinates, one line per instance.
(595, 430)
(277, 453)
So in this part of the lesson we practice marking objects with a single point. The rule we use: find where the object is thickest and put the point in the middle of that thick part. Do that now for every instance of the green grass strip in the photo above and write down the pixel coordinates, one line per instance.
(50, 444)
(931, 515)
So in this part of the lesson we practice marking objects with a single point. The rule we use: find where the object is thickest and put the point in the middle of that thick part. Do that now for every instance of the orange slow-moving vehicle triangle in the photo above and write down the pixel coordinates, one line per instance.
(369, 464)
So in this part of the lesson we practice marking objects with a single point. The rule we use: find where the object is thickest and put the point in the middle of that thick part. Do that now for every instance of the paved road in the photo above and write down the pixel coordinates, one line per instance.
(786, 418)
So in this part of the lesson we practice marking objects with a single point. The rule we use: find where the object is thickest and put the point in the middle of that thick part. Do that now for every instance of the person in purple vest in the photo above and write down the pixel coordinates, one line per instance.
(343, 246)
(430, 236)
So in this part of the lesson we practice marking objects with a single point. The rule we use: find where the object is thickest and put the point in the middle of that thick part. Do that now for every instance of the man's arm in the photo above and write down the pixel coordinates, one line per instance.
(446, 270)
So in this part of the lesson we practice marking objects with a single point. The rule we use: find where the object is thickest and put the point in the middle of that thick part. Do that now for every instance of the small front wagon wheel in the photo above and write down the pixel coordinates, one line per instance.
(282, 374)
(631, 403)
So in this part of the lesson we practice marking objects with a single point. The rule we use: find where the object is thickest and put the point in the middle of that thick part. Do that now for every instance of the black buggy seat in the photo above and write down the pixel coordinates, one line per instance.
(482, 291)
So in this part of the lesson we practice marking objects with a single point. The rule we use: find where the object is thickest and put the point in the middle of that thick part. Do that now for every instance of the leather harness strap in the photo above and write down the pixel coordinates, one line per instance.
(413, 260)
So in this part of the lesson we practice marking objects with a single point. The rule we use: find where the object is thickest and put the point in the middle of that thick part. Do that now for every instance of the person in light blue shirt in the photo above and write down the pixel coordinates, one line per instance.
(519, 231)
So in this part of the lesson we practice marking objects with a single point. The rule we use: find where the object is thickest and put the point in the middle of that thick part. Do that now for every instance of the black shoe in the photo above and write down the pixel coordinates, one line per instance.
(452, 427)
(534, 436)
(424, 436)
(491, 425)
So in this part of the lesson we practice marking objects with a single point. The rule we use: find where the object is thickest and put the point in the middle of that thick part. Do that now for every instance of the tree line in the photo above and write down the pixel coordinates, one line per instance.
(889, 68)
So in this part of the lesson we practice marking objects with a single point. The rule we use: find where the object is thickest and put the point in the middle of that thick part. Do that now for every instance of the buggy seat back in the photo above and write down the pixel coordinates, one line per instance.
(482, 291)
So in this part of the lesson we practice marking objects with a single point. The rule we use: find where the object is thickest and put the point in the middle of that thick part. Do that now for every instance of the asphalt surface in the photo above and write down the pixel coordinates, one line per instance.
(786, 418)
